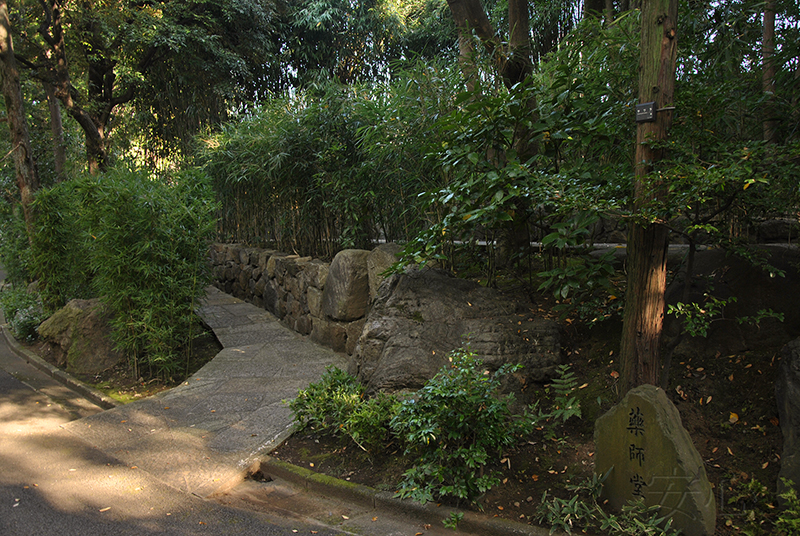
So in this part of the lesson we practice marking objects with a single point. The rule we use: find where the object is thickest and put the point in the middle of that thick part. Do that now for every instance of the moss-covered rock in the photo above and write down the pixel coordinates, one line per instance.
(77, 337)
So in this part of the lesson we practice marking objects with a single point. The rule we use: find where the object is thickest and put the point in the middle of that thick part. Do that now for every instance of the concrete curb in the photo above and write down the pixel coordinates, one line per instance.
(93, 395)
(385, 501)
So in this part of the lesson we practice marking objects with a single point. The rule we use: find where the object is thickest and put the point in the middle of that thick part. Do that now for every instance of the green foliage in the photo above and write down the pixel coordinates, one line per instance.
(149, 244)
(138, 242)
(14, 245)
(583, 282)
(565, 404)
(697, 318)
(333, 168)
(23, 312)
(788, 521)
(325, 405)
(583, 513)
(452, 427)
(452, 521)
(60, 246)
(337, 405)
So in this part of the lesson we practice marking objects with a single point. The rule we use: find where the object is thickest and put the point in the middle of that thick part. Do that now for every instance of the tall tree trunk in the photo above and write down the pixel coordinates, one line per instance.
(770, 123)
(57, 131)
(27, 175)
(648, 241)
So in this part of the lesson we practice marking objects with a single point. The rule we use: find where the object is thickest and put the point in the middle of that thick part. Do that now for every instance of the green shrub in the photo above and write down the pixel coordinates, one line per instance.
(327, 404)
(14, 245)
(337, 405)
(23, 312)
(452, 427)
(60, 245)
(148, 247)
(788, 521)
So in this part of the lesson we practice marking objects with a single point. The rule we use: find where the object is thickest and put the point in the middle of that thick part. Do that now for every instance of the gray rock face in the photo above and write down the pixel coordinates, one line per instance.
(78, 336)
(421, 316)
(381, 259)
(346, 293)
(650, 456)
(787, 393)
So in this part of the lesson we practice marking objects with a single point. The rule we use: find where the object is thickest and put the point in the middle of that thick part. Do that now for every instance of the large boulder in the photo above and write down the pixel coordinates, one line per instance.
(787, 393)
(77, 337)
(346, 293)
(419, 317)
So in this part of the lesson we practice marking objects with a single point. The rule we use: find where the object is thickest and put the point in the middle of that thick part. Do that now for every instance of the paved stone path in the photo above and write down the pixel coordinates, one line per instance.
(203, 436)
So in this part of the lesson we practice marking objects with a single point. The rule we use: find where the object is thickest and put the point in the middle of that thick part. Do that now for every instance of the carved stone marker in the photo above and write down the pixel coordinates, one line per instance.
(651, 457)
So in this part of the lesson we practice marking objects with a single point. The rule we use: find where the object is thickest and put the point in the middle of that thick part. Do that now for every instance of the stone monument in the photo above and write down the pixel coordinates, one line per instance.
(651, 457)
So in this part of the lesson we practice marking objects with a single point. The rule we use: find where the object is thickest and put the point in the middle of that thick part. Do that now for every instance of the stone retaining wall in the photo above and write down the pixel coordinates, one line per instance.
(293, 288)
(398, 334)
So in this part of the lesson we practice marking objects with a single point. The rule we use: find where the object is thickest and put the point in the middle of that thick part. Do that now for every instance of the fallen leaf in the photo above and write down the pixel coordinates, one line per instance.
(715, 449)
(699, 369)
(765, 465)
(730, 451)
(106, 509)
(708, 399)
(500, 508)
(734, 418)
(774, 421)
(614, 374)
(584, 386)
(535, 478)
(375, 518)
(345, 517)
(730, 377)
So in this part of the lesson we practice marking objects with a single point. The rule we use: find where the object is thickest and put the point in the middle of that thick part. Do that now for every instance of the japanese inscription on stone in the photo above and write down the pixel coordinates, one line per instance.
(649, 456)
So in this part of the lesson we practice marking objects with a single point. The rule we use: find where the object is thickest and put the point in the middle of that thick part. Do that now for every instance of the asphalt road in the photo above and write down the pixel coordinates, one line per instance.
(51, 483)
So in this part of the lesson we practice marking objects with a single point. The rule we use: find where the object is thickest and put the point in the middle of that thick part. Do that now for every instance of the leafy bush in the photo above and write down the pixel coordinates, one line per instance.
(60, 245)
(337, 405)
(327, 404)
(140, 243)
(149, 246)
(23, 312)
(453, 426)
(14, 245)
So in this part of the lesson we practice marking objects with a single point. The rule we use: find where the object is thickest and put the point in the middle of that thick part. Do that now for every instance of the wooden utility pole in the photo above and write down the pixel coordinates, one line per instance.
(648, 240)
